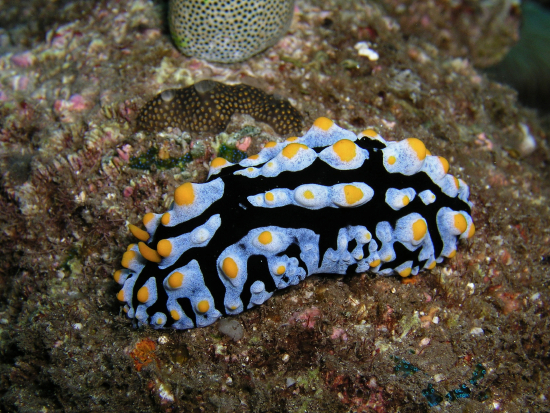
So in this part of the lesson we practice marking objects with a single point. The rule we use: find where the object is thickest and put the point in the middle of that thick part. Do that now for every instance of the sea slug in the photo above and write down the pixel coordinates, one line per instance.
(208, 106)
(328, 202)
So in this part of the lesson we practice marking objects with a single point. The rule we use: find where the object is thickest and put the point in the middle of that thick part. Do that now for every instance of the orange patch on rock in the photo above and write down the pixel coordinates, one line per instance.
(410, 280)
(510, 302)
(427, 319)
(144, 353)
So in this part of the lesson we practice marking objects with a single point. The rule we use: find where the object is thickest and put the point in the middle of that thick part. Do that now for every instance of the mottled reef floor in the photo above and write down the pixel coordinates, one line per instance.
(70, 89)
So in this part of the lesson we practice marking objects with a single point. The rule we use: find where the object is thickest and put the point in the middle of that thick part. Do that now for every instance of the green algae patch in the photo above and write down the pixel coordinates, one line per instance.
(231, 153)
(151, 160)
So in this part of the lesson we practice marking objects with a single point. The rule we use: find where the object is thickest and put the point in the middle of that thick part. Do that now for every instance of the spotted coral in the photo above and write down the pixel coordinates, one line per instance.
(228, 31)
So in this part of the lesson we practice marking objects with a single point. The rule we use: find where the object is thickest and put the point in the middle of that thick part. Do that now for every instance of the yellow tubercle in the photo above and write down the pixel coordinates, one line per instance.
(117, 275)
(281, 270)
(148, 253)
(371, 133)
(218, 162)
(456, 182)
(185, 194)
(374, 263)
(164, 247)
(405, 272)
(203, 306)
(419, 229)
(265, 237)
(292, 149)
(405, 200)
(148, 218)
(129, 247)
(308, 194)
(165, 220)
(323, 123)
(418, 146)
(175, 315)
(127, 258)
(353, 194)
(230, 268)
(143, 294)
(451, 254)
(460, 223)
(391, 160)
(270, 144)
(175, 280)
(431, 266)
(471, 231)
(120, 296)
(138, 233)
(345, 149)
(254, 157)
(444, 163)
(269, 196)
(292, 139)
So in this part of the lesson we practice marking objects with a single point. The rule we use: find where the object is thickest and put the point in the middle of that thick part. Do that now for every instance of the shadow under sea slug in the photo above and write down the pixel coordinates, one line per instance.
(327, 202)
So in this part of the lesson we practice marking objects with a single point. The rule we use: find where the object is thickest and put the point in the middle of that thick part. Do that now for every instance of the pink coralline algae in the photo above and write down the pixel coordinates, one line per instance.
(20, 82)
(24, 59)
(128, 192)
(339, 333)
(124, 153)
(306, 317)
(244, 143)
(76, 103)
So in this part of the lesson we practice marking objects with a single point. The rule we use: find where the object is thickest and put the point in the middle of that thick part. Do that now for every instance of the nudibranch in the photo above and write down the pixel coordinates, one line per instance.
(208, 106)
(328, 202)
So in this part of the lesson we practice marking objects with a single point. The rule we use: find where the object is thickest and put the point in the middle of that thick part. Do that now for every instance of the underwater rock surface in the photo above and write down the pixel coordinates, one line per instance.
(74, 173)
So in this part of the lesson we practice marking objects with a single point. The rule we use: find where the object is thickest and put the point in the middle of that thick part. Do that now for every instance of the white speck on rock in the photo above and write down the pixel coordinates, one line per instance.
(231, 328)
(424, 342)
(165, 394)
(528, 143)
(364, 49)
